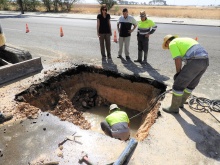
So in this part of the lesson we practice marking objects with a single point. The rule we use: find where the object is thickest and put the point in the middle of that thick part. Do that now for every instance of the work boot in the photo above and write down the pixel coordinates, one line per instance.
(5, 117)
(139, 57)
(184, 98)
(127, 57)
(174, 108)
(145, 58)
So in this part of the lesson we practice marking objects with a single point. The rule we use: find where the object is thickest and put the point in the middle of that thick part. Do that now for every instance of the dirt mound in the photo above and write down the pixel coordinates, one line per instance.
(64, 110)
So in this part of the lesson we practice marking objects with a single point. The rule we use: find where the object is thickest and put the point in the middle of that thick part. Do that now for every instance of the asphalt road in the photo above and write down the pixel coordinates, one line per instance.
(80, 43)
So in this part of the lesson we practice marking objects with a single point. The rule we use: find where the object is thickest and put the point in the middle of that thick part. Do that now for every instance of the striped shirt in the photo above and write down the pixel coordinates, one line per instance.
(125, 25)
(146, 27)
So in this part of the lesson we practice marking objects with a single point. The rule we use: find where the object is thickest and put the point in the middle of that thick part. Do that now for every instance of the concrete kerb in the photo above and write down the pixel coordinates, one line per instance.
(158, 20)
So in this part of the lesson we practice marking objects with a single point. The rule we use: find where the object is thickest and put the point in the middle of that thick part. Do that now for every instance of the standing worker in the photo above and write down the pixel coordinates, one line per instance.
(146, 27)
(124, 25)
(2, 39)
(186, 77)
(116, 124)
(104, 31)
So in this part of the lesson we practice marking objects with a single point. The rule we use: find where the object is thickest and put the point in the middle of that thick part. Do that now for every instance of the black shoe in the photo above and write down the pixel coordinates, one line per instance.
(119, 56)
(144, 62)
(128, 58)
(137, 61)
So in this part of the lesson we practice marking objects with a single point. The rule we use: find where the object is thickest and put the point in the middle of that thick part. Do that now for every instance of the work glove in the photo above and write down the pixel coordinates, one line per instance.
(175, 76)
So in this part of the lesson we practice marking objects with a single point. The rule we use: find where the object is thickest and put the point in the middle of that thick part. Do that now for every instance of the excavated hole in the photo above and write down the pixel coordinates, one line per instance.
(83, 94)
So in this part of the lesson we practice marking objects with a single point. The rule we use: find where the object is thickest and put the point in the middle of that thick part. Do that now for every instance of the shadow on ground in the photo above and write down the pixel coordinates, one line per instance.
(206, 138)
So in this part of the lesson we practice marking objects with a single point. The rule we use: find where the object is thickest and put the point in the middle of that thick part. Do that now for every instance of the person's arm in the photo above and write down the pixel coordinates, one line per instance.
(134, 27)
(178, 63)
(118, 27)
(153, 28)
(98, 25)
(109, 23)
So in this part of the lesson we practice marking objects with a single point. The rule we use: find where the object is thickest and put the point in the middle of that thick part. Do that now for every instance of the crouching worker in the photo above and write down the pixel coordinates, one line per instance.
(5, 117)
(187, 77)
(116, 124)
(2, 39)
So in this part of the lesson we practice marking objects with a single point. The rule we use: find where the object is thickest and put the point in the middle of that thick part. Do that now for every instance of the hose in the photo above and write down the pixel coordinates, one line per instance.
(200, 104)
(160, 97)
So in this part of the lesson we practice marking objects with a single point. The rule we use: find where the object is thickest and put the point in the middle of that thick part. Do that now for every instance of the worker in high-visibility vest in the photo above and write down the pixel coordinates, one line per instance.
(116, 124)
(186, 77)
(2, 39)
(146, 27)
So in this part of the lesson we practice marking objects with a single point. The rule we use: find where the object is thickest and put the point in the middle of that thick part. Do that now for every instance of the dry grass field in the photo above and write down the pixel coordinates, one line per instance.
(158, 11)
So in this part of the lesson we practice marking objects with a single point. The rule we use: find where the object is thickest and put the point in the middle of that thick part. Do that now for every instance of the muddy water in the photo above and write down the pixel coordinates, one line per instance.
(97, 114)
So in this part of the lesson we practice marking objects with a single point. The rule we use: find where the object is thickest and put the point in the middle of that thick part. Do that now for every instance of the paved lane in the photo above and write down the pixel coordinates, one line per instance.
(80, 43)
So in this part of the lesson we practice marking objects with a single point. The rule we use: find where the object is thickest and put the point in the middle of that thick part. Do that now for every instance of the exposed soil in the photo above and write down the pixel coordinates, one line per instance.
(69, 94)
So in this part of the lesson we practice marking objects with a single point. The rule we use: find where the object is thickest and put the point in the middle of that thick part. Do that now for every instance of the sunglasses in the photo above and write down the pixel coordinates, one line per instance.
(104, 9)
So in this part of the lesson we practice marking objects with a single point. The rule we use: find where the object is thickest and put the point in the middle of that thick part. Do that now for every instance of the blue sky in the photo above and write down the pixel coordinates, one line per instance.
(175, 2)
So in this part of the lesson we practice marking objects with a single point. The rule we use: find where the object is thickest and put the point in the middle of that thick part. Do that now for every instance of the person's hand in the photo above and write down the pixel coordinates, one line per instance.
(175, 76)
(147, 35)
(98, 35)
(130, 31)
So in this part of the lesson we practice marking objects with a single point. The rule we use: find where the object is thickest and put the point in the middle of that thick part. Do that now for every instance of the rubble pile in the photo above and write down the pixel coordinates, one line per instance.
(66, 112)
(87, 98)
(26, 110)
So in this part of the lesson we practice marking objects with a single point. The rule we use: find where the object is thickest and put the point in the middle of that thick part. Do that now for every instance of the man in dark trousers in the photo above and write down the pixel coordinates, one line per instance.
(186, 77)
(116, 124)
(146, 27)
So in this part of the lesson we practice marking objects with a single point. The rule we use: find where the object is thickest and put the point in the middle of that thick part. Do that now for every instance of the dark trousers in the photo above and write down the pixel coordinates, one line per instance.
(104, 41)
(143, 44)
(190, 74)
(106, 128)
(119, 131)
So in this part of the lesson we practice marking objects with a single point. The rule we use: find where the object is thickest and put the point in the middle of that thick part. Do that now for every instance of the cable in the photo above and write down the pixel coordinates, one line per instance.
(200, 104)
(161, 96)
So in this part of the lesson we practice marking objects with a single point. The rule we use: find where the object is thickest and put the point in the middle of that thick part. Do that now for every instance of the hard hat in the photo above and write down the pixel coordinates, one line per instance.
(113, 106)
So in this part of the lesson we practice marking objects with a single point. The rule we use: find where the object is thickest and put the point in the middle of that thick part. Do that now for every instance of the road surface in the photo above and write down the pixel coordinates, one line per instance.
(80, 43)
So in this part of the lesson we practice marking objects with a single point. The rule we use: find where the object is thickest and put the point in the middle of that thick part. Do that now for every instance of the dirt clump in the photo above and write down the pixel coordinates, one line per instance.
(66, 112)
(26, 110)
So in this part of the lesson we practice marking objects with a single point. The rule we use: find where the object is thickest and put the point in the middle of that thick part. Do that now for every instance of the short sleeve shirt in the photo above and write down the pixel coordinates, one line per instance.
(179, 46)
(125, 25)
(104, 24)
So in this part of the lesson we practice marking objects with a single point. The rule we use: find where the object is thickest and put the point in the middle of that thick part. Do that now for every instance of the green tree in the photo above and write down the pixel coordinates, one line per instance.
(48, 4)
(109, 3)
(4, 5)
(67, 4)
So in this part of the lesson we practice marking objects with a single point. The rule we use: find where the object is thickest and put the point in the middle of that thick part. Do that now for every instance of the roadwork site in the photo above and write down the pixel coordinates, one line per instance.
(45, 114)
(57, 108)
